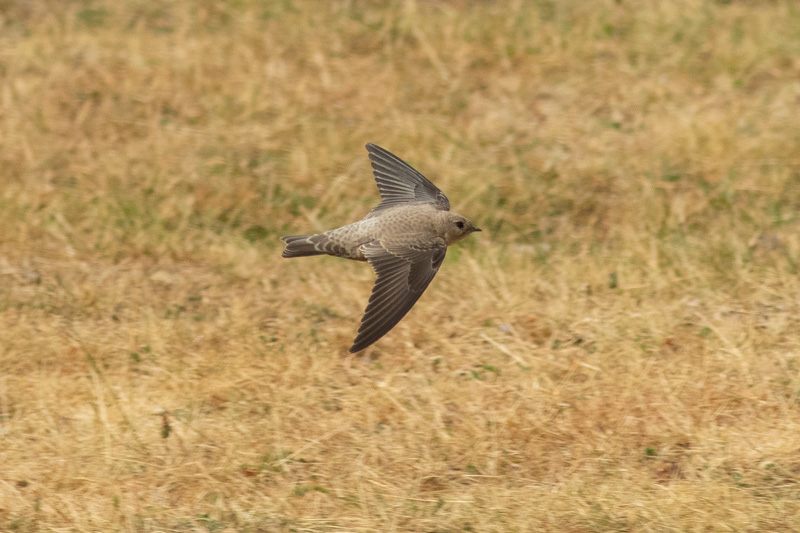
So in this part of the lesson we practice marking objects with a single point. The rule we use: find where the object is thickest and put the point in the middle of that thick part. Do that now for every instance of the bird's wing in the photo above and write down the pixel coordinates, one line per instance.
(403, 275)
(399, 183)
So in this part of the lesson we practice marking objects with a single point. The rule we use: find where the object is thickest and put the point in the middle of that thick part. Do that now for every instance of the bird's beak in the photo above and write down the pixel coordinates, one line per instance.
(477, 229)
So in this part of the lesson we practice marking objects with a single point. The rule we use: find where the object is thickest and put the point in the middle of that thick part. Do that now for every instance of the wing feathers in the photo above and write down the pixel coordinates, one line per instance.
(403, 275)
(398, 182)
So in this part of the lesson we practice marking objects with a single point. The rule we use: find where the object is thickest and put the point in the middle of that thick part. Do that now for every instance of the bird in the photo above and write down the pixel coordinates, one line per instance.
(404, 239)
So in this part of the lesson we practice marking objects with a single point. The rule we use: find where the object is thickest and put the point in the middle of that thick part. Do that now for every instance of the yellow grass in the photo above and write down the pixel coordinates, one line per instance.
(618, 350)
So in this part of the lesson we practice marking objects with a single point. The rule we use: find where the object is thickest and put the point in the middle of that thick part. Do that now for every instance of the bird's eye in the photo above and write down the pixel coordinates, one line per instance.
(460, 225)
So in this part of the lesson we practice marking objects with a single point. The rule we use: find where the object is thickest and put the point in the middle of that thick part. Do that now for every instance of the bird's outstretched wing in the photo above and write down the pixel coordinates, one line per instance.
(399, 183)
(403, 275)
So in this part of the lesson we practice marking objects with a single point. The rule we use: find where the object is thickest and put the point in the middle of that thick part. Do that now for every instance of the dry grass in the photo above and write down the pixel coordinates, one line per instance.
(619, 350)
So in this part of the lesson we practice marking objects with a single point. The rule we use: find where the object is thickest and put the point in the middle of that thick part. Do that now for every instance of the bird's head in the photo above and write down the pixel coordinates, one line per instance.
(457, 227)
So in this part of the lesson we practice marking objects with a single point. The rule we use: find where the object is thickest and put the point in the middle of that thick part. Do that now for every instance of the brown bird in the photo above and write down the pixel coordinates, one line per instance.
(405, 239)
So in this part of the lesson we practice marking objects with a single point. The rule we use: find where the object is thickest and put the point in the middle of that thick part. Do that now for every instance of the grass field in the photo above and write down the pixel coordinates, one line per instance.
(619, 350)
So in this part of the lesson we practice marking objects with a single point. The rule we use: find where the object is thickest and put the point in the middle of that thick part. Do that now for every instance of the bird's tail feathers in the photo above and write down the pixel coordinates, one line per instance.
(303, 245)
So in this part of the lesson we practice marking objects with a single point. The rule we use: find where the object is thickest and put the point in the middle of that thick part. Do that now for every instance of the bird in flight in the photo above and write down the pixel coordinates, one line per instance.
(404, 238)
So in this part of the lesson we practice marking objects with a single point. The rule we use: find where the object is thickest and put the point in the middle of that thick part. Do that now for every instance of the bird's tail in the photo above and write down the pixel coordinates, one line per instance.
(303, 245)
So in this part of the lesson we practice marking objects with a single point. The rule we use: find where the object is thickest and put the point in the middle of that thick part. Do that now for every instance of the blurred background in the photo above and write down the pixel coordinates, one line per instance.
(618, 350)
